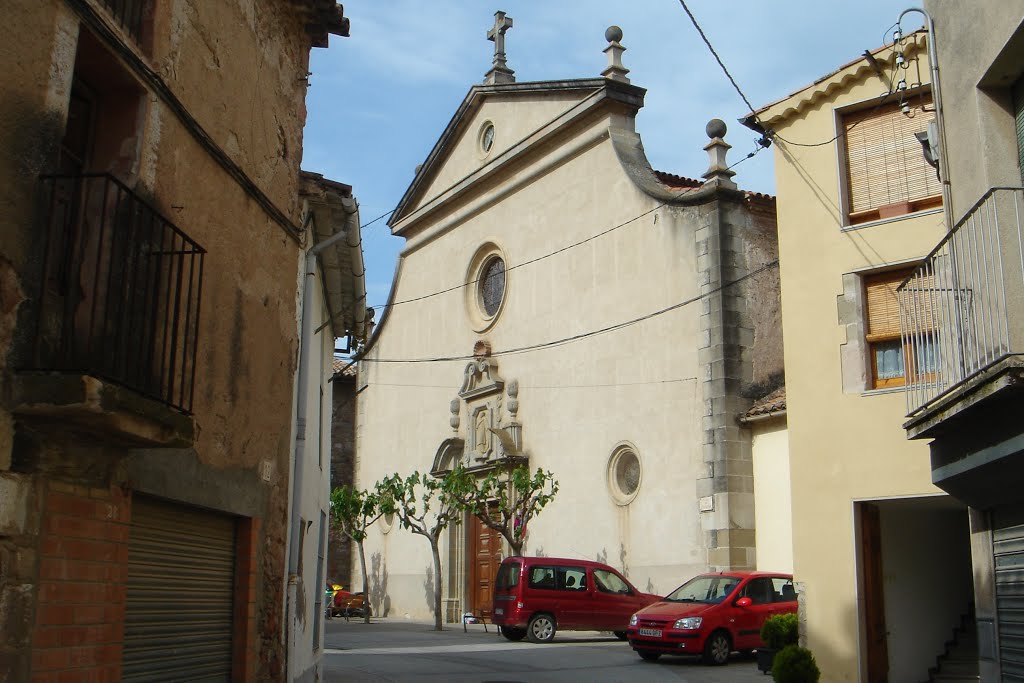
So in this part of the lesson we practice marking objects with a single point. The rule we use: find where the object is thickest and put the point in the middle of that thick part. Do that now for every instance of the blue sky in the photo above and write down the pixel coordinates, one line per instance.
(379, 100)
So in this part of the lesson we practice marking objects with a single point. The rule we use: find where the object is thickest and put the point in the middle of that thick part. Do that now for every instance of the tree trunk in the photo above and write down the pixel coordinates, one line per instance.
(438, 617)
(366, 584)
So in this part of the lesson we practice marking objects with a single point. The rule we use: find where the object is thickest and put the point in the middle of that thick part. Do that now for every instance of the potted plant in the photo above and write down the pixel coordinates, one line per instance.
(777, 632)
(795, 664)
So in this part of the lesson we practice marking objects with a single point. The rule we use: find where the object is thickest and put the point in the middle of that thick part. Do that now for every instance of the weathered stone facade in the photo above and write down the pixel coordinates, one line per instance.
(160, 95)
(343, 453)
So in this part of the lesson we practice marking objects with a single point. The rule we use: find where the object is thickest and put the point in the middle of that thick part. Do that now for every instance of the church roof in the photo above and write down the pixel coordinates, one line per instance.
(586, 89)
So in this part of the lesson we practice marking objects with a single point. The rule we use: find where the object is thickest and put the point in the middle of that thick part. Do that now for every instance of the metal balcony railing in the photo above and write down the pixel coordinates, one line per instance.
(120, 292)
(128, 13)
(962, 309)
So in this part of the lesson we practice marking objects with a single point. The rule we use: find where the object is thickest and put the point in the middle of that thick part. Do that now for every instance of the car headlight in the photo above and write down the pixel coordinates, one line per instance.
(632, 620)
(689, 623)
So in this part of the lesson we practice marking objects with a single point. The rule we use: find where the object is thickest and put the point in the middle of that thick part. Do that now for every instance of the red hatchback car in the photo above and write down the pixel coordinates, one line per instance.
(712, 615)
(535, 596)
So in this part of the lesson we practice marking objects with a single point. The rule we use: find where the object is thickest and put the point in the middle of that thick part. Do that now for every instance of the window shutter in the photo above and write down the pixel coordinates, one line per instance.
(883, 311)
(885, 162)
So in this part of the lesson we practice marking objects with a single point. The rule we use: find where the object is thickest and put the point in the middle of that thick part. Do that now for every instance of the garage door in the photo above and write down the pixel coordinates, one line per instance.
(1008, 547)
(178, 615)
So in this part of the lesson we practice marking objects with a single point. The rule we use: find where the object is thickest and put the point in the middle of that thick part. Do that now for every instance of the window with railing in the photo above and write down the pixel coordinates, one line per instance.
(120, 291)
(130, 15)
(889, 353)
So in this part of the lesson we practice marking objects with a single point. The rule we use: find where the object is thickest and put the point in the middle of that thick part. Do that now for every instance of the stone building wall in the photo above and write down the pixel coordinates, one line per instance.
(205, 113)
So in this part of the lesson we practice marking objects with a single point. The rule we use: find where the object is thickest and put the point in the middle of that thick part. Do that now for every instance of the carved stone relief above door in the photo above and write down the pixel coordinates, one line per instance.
(490, 430)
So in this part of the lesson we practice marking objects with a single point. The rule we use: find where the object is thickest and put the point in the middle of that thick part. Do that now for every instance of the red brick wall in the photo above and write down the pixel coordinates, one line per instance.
(244, 645)
(83, 569)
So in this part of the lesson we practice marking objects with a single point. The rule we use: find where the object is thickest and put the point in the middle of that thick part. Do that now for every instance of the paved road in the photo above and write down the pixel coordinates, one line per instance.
(388, 650)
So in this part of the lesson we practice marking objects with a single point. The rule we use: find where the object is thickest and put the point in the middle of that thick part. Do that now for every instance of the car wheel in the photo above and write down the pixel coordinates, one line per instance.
(621, 635)
(717, 648)
(648, 655)
(541, 628)
(513, 634)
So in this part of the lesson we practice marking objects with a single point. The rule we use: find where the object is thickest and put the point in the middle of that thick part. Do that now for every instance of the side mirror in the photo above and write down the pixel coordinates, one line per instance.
(744, 602)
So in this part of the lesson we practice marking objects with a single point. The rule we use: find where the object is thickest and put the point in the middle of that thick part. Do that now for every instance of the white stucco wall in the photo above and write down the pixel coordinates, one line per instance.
(577, 401)
(926, 569)
(307, 641)
(773, 511)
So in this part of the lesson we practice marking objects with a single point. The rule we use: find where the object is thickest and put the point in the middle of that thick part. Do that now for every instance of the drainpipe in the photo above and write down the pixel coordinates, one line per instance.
(940, 121)
(306, 334)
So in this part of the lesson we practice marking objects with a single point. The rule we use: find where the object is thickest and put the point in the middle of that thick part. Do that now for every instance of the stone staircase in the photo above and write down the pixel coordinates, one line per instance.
(960, 662)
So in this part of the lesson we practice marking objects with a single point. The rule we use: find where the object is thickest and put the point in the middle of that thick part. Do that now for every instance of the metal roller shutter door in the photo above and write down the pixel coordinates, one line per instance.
(181, 574)
(1008, 549)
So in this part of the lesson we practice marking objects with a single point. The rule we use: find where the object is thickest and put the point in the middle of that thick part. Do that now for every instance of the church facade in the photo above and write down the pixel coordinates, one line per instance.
(559, 300)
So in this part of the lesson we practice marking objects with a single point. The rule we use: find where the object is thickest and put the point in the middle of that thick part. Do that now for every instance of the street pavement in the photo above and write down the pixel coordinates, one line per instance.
(393, 650)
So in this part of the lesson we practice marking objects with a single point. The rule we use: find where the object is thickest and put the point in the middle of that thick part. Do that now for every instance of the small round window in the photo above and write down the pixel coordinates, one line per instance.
(492, 285)
(486, 137)
(624, 474)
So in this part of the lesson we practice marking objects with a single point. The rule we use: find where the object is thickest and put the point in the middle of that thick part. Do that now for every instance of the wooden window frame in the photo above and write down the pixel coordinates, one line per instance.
(888, 333)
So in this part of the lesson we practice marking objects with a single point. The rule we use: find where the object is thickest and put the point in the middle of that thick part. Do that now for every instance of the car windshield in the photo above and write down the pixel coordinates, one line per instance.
(711, 588)
(508, 576)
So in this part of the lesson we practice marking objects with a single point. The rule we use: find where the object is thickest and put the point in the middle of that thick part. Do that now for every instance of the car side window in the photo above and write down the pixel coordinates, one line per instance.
(571, 578)
(607, 582)
(784, 589)
(542, 577)
(760, 591)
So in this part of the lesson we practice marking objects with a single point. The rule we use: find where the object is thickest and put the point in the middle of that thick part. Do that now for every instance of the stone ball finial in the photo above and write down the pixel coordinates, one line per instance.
(716, 128)
(613, 34)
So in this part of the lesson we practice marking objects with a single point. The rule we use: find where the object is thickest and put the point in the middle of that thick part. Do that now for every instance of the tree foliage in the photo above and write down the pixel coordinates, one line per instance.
(508, 498)
(427, 506)
(353, 511)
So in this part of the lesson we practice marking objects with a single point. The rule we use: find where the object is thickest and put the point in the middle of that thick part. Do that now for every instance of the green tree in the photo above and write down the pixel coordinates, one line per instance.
(508, 498)
(426, 505)
(353, 511)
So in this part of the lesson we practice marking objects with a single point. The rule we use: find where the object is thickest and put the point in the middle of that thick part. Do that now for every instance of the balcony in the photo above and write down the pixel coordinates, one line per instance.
(116, 323)
(962, 321)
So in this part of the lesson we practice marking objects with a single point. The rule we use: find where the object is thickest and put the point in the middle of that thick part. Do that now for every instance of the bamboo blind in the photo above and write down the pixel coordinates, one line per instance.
(885, 163)
(883, 308)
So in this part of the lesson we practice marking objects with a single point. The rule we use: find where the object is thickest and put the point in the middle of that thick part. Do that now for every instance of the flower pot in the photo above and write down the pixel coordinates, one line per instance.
(765, 655)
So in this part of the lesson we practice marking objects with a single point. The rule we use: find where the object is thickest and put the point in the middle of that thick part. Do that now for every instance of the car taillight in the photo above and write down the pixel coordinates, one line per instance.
(519, 605)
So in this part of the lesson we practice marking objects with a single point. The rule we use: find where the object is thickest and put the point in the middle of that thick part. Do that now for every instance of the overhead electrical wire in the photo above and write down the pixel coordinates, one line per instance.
(583, 335)
(567, 247)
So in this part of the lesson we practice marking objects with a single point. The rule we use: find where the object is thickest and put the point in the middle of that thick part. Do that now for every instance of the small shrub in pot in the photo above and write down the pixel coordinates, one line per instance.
(795, 664)
(780, 630)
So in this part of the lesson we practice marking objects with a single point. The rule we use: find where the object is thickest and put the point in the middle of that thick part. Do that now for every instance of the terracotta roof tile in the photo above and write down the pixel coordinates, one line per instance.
(774, 402)
(345, 367)
(673, 180)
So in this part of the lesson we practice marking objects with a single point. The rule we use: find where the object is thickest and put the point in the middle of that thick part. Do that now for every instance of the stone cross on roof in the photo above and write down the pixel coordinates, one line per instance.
(499, 73)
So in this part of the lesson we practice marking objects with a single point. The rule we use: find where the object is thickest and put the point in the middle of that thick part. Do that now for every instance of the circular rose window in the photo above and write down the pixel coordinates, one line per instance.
(492, 285)
(624, 474)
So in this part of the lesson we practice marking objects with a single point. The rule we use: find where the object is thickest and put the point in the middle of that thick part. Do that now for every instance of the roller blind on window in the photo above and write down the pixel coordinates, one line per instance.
(883, 310)
(885, 162)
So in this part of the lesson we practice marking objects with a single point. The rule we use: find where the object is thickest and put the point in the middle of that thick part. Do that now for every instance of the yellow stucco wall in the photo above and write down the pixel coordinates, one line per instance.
(844, 445)
(773, 517)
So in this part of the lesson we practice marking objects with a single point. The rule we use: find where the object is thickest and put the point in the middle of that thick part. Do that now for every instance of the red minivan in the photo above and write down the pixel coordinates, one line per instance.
(535, 596)
(712, 615)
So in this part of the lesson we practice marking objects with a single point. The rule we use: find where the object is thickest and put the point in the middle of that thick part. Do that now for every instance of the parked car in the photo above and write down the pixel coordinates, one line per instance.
(712, 615)
(536, 596)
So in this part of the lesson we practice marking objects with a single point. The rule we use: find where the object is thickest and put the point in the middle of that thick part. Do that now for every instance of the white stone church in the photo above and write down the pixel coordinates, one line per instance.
(558, 297)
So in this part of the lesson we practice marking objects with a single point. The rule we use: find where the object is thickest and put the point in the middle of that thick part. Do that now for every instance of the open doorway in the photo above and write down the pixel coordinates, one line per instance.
(914, 583)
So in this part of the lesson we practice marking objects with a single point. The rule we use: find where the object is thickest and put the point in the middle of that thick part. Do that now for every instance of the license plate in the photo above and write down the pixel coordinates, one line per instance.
(499, 611)
(653, 632)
